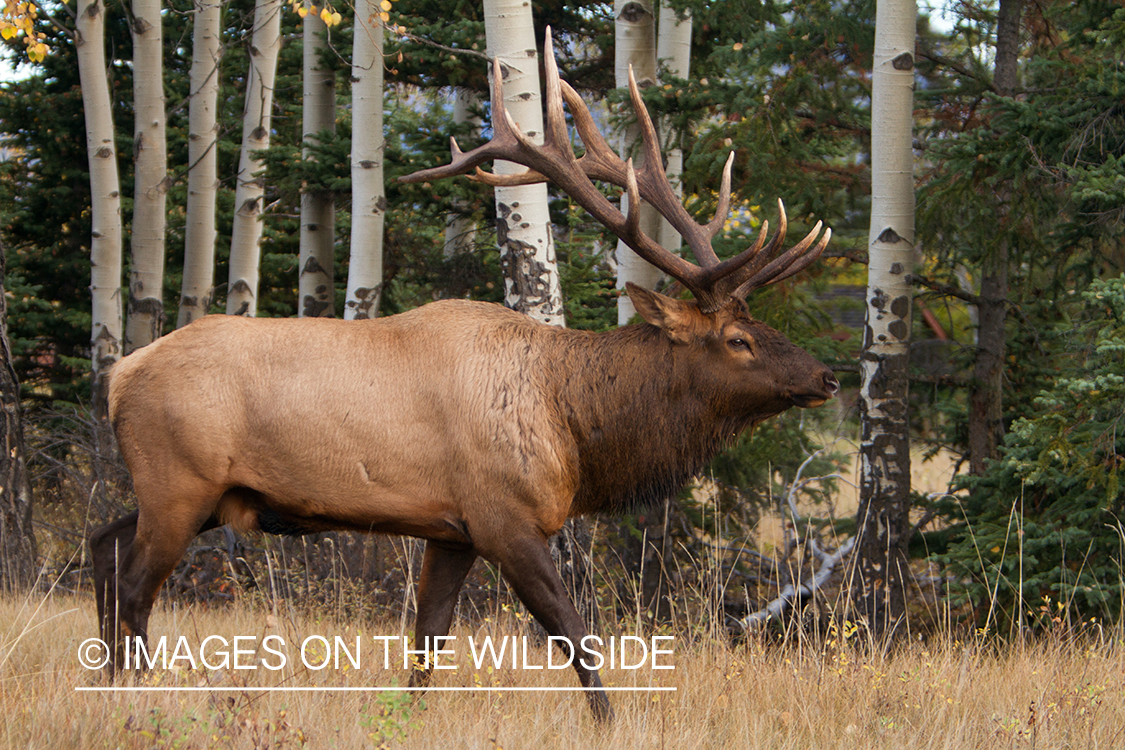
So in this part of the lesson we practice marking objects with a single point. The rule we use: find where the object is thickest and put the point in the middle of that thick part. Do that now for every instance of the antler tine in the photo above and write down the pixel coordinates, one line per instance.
(633, 211)
(791, 262)
(752, 266)
(657, 190)
(722, 211)
(650, 139)
(751, 260)
(556, 132)
(600, 162)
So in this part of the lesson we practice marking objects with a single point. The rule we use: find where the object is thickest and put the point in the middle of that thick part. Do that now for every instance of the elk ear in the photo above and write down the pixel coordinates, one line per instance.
(672, 315)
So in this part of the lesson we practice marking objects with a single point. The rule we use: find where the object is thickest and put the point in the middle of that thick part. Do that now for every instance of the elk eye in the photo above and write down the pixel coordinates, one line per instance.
(739, 344)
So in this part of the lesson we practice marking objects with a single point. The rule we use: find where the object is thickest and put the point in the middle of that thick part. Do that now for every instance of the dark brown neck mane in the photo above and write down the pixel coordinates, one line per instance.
(641, 429)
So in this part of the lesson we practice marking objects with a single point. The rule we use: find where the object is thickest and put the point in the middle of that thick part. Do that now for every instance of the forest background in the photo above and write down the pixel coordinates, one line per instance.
(1017, 347)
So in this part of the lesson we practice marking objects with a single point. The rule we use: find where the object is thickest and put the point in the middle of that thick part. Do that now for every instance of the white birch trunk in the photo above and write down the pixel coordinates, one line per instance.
(523, 223)
(246, 231)
(146, 273)
(634, 44)
(883, 516)
(673, 48)
(461, 230)
(369, 201)
(105, 196)
(318, 211)
(203, 163)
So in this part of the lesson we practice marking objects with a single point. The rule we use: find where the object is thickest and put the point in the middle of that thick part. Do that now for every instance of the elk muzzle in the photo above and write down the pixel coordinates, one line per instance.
(821, 393)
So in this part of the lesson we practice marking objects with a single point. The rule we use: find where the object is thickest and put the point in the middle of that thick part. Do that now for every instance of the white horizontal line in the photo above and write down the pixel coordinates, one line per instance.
(280, 689)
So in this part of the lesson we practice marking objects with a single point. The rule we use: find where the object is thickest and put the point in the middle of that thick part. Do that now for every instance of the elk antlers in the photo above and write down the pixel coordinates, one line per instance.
(713, 282)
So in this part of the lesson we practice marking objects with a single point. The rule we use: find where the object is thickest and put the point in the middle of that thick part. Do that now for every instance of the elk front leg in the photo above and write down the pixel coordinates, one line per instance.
(527, 566)
(444, 567)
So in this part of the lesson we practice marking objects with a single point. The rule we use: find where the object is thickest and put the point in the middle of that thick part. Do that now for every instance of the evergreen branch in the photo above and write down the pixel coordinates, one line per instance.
(838, 124)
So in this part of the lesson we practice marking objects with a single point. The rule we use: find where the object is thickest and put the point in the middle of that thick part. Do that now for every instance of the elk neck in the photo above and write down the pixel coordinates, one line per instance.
(641, 424)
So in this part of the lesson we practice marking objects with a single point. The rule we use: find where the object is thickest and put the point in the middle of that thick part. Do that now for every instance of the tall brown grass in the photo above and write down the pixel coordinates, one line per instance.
(788, 689)
(1062, 691)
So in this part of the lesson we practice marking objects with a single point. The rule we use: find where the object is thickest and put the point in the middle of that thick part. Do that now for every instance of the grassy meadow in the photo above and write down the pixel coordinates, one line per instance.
(807, 687)
(778, 692)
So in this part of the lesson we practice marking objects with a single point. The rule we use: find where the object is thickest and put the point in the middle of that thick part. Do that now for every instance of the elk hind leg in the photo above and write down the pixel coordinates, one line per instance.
(109, 545)
(133, 557)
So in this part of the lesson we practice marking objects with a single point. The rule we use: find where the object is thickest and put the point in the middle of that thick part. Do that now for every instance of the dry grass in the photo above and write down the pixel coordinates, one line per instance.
(1059, 693)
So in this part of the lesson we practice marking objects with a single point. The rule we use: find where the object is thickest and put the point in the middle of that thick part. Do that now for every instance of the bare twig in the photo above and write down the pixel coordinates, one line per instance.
(957, 68)
(431, 43)
(947, 289)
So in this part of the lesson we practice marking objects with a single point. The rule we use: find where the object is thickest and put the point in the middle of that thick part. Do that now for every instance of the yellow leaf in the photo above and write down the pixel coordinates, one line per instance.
(384, 16)
(326, 16)
(302, 11)
(385, 5)
(8, 32)
(336, 19)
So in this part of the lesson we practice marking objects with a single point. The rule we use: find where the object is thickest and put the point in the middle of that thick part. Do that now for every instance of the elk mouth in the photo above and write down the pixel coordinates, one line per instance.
(831, 387)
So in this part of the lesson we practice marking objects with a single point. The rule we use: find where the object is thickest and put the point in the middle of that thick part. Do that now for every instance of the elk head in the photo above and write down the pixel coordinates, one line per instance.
(756, 368)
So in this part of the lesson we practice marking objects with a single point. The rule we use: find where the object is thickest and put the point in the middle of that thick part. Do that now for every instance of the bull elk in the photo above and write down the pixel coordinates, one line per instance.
(461, 423)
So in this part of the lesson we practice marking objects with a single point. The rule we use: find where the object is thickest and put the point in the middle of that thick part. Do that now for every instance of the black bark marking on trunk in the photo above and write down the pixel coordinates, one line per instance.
(366, 302)
(633, 12)
(905, 61)
(312, 265)
(240, 287)
(901, 306)
(890, 237)
(311, 307)
(879, 300)
(503, 211)
(150, 308)
(528, 277)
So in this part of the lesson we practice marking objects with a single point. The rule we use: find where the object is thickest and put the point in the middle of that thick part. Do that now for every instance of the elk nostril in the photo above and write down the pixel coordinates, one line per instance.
(831, 383)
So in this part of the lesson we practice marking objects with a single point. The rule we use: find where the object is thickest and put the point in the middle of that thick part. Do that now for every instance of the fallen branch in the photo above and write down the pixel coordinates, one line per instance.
(777, 607)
